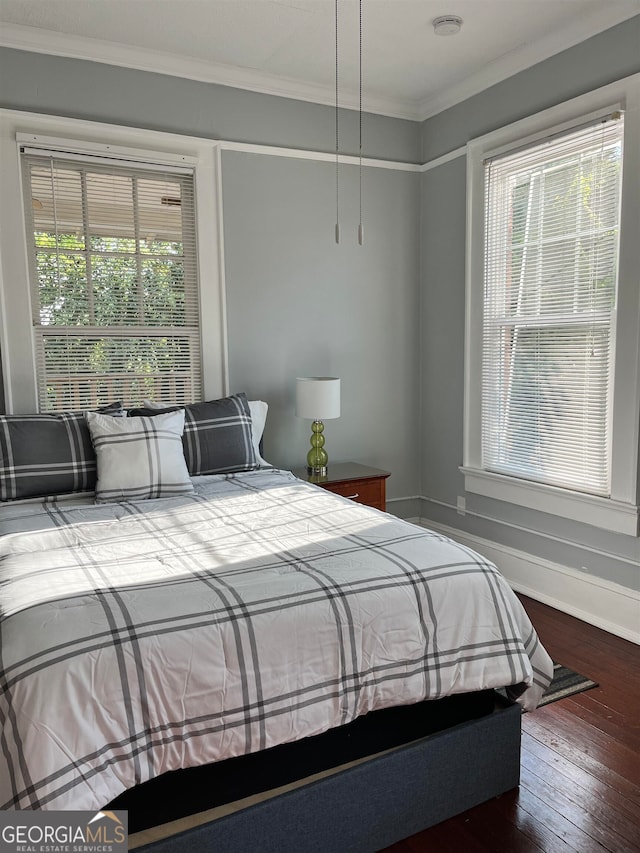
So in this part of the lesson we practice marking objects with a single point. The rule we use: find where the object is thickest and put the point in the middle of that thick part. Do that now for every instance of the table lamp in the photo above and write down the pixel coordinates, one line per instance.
(317, 398)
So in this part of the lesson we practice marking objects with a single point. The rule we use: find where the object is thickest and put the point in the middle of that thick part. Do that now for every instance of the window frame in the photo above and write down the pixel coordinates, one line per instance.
(133, 145)
(619, 512)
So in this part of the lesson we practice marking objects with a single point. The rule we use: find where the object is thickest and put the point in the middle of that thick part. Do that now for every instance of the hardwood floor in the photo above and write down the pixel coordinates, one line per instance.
(580, 771)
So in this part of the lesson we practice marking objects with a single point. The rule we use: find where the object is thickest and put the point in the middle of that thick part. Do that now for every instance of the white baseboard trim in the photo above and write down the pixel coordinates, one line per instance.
(606, 605)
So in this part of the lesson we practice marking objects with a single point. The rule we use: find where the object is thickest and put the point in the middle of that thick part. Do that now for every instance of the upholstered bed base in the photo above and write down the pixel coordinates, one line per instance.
(374, 803)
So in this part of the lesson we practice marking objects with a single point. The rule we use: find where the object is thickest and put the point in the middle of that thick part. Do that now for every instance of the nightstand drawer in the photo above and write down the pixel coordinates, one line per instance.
(361, 483)
(369, 492)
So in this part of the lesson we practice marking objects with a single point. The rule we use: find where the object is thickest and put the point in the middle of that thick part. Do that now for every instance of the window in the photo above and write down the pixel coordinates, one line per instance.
(550, 286)
(552, 367)
(114, 284)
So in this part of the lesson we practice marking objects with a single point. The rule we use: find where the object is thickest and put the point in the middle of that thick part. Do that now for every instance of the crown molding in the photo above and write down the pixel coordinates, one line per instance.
(38, 40)
(602, 18)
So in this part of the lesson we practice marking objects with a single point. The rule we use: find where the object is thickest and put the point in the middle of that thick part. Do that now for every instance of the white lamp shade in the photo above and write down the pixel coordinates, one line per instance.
(318, 398)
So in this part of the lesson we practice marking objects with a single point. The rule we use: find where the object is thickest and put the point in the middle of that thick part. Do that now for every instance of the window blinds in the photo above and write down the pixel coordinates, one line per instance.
(114, 282)
(550, 280)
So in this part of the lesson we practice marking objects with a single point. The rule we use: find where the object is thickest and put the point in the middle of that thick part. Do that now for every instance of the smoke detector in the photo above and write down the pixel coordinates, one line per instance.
(447, 25)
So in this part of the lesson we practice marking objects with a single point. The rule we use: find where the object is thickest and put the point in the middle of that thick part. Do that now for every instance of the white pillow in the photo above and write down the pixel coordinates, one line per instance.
(139, 458)
(258, 410)
(152, 404)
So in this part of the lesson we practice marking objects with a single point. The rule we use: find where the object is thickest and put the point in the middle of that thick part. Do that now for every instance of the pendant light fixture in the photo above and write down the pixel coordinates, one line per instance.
(337, 126)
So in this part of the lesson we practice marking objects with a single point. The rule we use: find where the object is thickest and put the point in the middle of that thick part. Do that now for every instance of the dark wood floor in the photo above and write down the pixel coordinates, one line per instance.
(580, 778)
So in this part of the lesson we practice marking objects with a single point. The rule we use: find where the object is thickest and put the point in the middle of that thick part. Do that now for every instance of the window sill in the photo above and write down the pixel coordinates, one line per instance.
(606, 513)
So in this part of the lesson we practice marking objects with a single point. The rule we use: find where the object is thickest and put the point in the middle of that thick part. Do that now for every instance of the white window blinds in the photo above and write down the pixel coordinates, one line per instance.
(114, 282)
(550, 281)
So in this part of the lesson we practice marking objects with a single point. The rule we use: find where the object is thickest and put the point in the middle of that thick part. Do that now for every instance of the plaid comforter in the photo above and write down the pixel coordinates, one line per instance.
(142, 637)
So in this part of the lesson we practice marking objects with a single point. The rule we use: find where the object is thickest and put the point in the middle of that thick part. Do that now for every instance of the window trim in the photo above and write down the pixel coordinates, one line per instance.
(619, 513)
(85, 137)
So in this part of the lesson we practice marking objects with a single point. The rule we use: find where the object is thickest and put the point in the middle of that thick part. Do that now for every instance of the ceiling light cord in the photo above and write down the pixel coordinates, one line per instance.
(337, 134)
(360, 226)
(337, 124)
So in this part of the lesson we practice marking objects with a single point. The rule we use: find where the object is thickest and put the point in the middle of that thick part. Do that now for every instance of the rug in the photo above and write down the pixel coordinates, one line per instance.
(565, 683)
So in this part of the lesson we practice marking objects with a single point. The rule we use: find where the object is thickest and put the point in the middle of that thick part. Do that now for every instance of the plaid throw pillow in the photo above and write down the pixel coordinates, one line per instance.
(47, 454)
(139, 458)
(217, 438)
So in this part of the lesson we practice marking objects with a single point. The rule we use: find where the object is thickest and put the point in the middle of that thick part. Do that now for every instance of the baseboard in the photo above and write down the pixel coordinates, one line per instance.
(606, 605)
(405, 508)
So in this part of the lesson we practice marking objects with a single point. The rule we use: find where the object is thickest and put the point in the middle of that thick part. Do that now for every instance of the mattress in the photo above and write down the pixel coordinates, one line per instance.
(143, 637)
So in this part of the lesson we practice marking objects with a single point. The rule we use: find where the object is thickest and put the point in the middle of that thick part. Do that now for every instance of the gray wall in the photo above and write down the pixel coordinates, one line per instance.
(600, 60)
(297, 304)
(90, 90)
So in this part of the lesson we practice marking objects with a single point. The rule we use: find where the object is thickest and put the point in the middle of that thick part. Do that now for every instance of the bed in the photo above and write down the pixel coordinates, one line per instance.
(235, 614)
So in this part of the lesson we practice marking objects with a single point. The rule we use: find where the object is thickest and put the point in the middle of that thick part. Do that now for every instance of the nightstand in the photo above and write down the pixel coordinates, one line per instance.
(360, 483)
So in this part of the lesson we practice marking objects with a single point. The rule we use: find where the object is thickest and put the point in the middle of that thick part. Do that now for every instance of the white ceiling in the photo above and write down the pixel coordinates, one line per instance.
(287, 47)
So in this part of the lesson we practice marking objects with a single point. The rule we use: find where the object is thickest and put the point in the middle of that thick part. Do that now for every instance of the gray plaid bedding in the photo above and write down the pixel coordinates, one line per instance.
(141, 637)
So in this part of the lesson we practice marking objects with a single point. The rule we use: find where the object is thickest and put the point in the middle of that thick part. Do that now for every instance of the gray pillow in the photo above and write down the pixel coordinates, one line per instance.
(217, 435)
(47, 454)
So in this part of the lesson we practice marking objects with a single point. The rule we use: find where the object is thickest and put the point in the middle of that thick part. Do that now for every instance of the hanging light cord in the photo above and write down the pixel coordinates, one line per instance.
(337, 133)
(360, 226)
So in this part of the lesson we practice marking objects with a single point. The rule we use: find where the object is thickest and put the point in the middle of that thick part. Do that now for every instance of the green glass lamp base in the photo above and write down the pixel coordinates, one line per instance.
(317, 457)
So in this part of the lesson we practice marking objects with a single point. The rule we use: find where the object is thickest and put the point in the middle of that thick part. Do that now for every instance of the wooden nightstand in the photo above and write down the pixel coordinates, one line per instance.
(360, 483)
